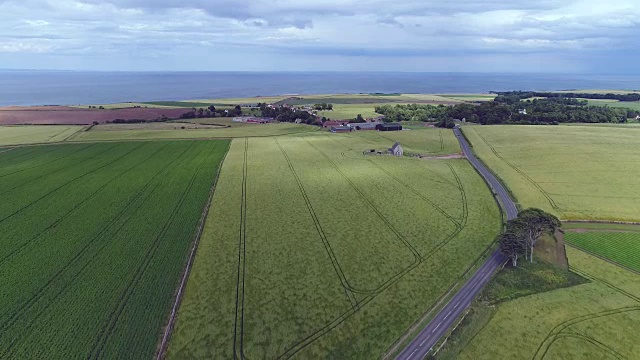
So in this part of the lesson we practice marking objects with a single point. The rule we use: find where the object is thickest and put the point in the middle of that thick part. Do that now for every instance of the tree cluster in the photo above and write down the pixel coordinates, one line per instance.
(212, 112)
(323, 106)
(539, 112)
(358, 120)
(522, 233)
(136, 121)
(411, 112)
(529, 94)
(288, 114)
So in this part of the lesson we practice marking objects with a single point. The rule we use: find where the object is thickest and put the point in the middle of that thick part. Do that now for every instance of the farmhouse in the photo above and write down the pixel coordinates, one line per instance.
(396, 150)
(341, 129)
(389, 127)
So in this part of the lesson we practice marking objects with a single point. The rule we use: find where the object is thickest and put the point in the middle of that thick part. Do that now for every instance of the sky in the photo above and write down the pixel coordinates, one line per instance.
(568, 36)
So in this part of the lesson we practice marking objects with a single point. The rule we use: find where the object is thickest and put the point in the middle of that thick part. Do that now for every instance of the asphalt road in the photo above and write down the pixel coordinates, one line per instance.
(423, 343)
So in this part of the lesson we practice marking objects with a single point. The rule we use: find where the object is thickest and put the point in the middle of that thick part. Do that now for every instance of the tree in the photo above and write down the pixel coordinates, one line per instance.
(359, 119)
(513, 245)
(537, 222)
(238, 110)
(523, 232)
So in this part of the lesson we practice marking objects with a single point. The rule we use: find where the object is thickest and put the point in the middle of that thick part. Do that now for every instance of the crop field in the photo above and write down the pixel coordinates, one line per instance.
(635, 105)
(575, 172)
(470, 97)
(312, 249)
(15, 135)
(93, 238)
(620, 247)
(589, 321)
(350, 111)
(339, 99)
(425, 141)
(155, 131)
(63, 115)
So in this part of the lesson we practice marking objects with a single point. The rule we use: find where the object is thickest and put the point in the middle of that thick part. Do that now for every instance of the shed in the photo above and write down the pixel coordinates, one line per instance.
(389, 127)
(340, 129)
(396, 150)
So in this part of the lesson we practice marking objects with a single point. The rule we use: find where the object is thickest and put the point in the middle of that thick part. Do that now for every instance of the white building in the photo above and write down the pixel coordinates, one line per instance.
(396, 150)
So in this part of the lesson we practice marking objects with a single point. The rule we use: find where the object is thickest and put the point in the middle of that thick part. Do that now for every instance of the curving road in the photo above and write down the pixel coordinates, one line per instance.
(423, 343)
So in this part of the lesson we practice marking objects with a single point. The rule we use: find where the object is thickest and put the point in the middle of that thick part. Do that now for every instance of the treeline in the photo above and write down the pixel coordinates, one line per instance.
(136, 121)
(538, 112)
(212, 112)
(530, 94)
(288, 114)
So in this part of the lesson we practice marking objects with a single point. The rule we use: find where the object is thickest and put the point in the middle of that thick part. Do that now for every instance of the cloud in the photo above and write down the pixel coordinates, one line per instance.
(350, 30)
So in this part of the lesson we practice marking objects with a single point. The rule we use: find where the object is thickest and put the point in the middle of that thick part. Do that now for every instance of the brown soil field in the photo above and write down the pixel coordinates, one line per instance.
(62, 115)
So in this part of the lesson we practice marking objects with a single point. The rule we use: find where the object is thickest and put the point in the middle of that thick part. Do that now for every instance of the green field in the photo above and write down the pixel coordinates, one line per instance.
(313, 250)
(172, 130)
(590, 321)
(31, 134)
(93, 239)
(620, 247)
(350, 111)
(575, 172)
(635, 105)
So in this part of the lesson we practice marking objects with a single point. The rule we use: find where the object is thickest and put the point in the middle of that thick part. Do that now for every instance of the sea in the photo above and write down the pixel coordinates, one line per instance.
(36, 87)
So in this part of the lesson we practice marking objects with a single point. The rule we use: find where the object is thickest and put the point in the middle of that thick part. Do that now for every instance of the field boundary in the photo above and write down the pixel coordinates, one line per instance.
(242, 253)
(602, 222)
(164, 342)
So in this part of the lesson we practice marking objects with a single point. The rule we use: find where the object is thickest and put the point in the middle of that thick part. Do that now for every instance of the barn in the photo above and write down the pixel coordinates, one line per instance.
(389, 127)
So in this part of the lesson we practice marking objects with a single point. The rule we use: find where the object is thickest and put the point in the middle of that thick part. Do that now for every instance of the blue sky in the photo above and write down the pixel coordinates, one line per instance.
(575, 36)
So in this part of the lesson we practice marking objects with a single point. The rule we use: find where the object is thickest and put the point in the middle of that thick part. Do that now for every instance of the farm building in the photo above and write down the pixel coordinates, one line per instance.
(341, 129)
(365, 126)
(522, 111)
(396, 150)
(252, 120)
(331, 123)
(389, 127)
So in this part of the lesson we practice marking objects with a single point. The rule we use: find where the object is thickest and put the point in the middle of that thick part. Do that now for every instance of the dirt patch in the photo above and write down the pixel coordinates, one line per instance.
(582, 231)
(551, 249)
(62, 115)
